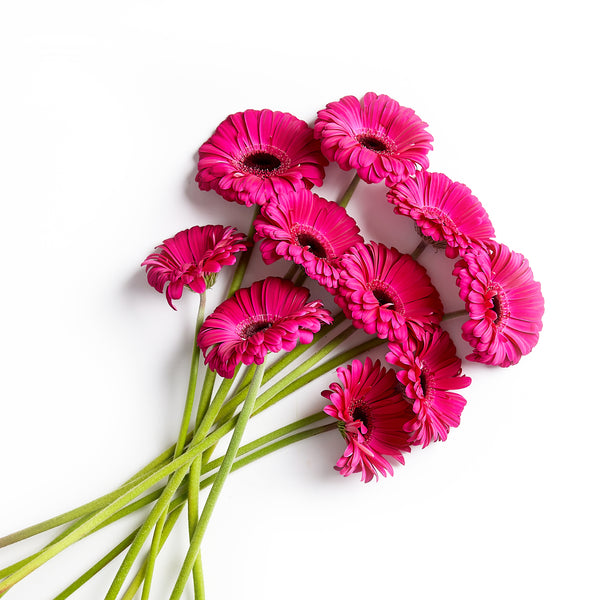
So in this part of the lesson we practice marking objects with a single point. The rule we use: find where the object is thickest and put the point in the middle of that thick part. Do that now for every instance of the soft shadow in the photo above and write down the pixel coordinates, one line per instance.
(221, 211)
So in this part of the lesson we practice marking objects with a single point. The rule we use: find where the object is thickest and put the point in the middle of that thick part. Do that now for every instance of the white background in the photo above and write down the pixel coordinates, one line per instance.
(102, 110)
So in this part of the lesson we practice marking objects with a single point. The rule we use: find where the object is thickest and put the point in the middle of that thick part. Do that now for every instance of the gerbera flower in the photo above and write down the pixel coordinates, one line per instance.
(308, 230)
(429, 368)
(270, 315)
(191, 257)
(375, 135)
(257, 154)
(504, 302)
(444, 210)
(372, 416)
(387, 293)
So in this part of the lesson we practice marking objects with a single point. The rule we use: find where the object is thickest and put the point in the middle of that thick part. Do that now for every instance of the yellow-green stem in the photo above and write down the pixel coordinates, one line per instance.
(343, 201)
(217, 486)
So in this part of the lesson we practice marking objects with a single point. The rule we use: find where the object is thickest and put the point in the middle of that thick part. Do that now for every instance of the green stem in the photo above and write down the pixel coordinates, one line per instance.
(205, 395)
(183, 430)
(169, 491)
(244, 457)
(180, 499)
(82, 511)
(86, 509)
(155, 516)
(291, 272)
(130, 508)
(217, 486)
(229, 409)
(196, 448)
(122, 497)
(457, 313)
(268, 438)
(175, 510)
(286, 441)
(285, 358)
(301, 278)
(97, 567)
(178, 503)
(269, 398)
(244, 259)
(193, 378)
(112, 554)
(349, 191)
(419, 249)
(194, 502)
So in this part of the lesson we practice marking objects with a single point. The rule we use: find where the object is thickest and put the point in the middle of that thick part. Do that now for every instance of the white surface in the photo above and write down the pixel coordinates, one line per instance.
(104, 106)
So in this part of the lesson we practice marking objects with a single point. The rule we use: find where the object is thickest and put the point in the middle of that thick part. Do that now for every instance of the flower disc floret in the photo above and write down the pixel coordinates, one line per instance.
(308, 230)
(376, 136)
(190, 257)
(504, 302)
(428, 370)
(372, 415)
(271, 315)
(257, 154)
(444, 210)
(387, 293)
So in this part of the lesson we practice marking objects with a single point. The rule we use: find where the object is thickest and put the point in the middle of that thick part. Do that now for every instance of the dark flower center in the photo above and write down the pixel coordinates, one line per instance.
(252, 328)
(384, 299)
(314, 246)
(372, 143)
(423, 382)
(496, 308)
(443, 221)
(360, 413)
(263, 162)
(499, 307)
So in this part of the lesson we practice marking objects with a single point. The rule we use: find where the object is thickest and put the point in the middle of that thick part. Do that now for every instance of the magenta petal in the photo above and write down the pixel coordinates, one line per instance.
(373, 418)
(270, 315)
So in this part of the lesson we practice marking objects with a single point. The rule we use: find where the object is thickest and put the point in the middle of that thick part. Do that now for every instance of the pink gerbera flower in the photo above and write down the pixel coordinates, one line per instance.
(257, 154)
(375, 135)
(444, 210)
(504, 302)
(429, 368)
(192, 257)
(308, 230)
(373, 416)
(270, 315)
(387, 293)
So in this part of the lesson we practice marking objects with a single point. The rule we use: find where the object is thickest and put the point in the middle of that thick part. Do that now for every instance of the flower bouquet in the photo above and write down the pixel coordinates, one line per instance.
(269, 338)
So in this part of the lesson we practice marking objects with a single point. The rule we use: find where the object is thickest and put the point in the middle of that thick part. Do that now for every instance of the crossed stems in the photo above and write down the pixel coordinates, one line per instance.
(114, 505)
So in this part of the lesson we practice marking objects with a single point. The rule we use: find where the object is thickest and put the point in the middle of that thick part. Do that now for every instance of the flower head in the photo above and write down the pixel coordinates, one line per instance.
(308, 230)
(504, 302)
(188, 258)
(271, 315)
(257, 154)
(387, 293)
(444, 210)
(429, 369)
(372, 416)
(375, 135)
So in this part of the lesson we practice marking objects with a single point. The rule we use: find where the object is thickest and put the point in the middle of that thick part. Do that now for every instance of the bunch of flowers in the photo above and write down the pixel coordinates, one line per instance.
(271, 160)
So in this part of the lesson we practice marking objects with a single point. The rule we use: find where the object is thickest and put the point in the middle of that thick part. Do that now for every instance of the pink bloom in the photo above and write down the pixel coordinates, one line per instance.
(429, 368)
(372, 415)
(444, 210)
(271, 315)
(375, 135)
(387, 293)
(505, 305)
(190, 257)
(257, 154)
(308, 230)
